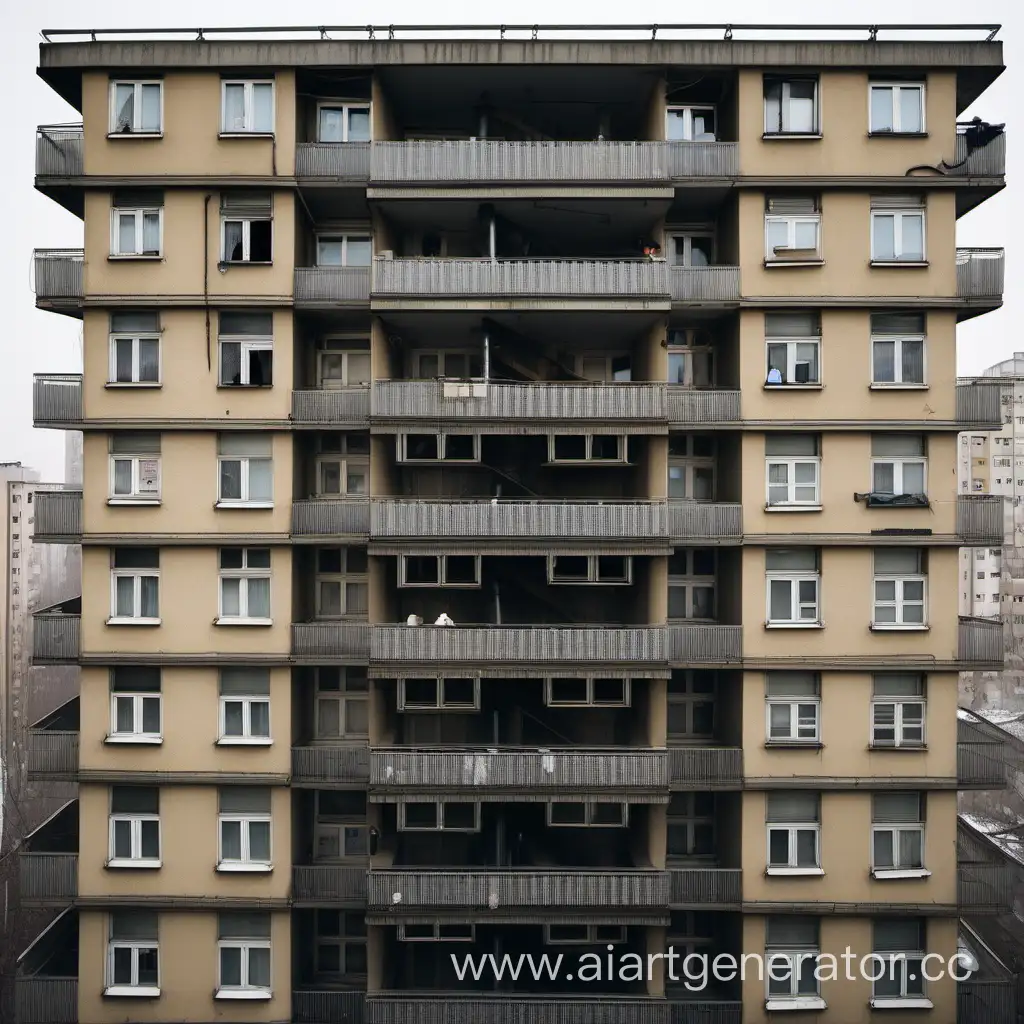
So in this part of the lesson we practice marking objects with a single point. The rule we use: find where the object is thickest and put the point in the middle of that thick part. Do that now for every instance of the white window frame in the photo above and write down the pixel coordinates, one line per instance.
(590, 700)
(440, 825)
(607, 372)
(246, 221)
(135, 339)
(589, 814)
(777, 131)
(792, 865)
(249, 107)
(909, 961)
(137, 946)
(900, 603)
(795, 999)
(139, 213)
(134, 132)
(442, 572)
(245, 990)
(440, 695)
(791, 361)
(795, 604)
(245, 863)
(138, 495)
(138, 699)
(345, 464)
(344, 237)
(896, 869)
(688, 110)
(898, 726)
(897, 341)
(243, 575)
(791, 220)
(244, 501)
(136, 619)
(796, 722)
(898, 463)
(898, 216)
(403, 456)
(338, 346)
(894, 90)
(791, 462)
(346, 106)
(688, 238)
(246, 344)
(135, 859)
(248, 737)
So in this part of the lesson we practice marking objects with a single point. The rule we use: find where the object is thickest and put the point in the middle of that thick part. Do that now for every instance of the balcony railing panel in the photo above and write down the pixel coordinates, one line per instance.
(325, 517)
(621, 520)
(984, 886)
(979, 401)
(332, 284)
(331, 639)
(979, 518)
(980, 640)
(346, 161)
(694, 406)
(59, 151)
(704, 284)
(986, 1002)
(705, 767)
(703, 159)
(58, 273)
(518, 643)
(57, 398)
(315, 1006)
(52, 752)
(705, 886)
(58, 514)
(56, 637)
(331, 883)
(41, 1000)
(705, 519)
(979, 273)
(331, 764)
(458, 1008)
(518, 770)
(687, 1011)
(49, 877)
(331, 406)
(984, 162)
(446, 278)
(693, 642)
(401, 399)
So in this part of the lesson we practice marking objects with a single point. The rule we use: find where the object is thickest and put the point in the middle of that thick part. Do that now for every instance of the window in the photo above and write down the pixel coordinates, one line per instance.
(342, 362)
(587, 815)
(599, 569)
(244, 585)
(792, 466)
(791, 106)
(794, 827)
(794, 577)
(897, 229)
(136, 223)
(133, 954)
(792, 229)
(692, 250)
(791, 947)
(459, 364)
(343, 251)
(245, 470)
(691, 467)
(583, 934)
(244, 705)
(243, 950)
(898, 711)
(246, 225)
(897, 349)
(793, 707)
(342, 703)
(438, 448)
(607, 367)
(247, 107)
(340, 943)
(134, 827)
(899, 943)
(900, 588)
(134, 348)
(691, 583)
(587, 448)
(135, 586)
(897, 834)
(457, 694)
(690, 124)
(342, 465)
(343, 122)
(896, 108)
(342, 583)
(424, 816)
(691, 704)
(134, 468)
(691, 358)
(793, 343)
(244, 825)
(436, 932)
(340, 827)
(136, 108)
(587, 691)
(898, 466)
(439, 571)
(135, 710)
(246, 342)
(691, 825)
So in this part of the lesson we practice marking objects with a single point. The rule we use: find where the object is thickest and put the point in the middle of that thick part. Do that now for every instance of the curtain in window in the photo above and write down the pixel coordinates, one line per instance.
(260, 480)
(149, 597)
(259, 598)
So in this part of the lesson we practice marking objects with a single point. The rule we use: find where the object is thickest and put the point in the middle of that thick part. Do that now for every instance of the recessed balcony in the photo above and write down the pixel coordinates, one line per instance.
(57, 400)
(979, 519)
(711, 888)
(341, 162)
(331, 517)
(979, 404)
(331, 641)
(979, 275)
(692, 407)
(987, 160)
(59, 283)
(980, 643)
(693, 643)
(720, 521)
(58, 517)
(324, 765)
(56, 638)
(980, 757)
(59, 151)
(45, 1000)
(511, 1008)
(984, 887)
(48, 879)
(52, 755)
(326, 287)
(332, 407)
(697, 768)
(705, 285)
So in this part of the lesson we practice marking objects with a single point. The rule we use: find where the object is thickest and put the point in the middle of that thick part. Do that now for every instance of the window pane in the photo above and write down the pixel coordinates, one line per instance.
(124, 107)
(800, 108)
(122, 839)
(329, 252)
(231, 840)
(778, 716)
(231, 966)
(150, 839)
(806, 848)
(122, 965)
(883, 236)
(151, 715)
(263, 107)
(261, 485)
(234, 108)
(233, 718)
(913, 237)
(780, 607)
(230, 363)
(777, 234)
(124, 711)
(123, 360)
(881, 110)
(885, 362)
(125, 233)
(328, 718)
(259, 967)
(331, 124)
(884, 478)
(358, 254)
(233, 240)
(883, 852)
(122, 476)
(910, 848)
(124, 588)
(149, 359)
(806, 234)
(259, 598)
(910, 110)
(913, 478)
(889, 983)
(913, 362)
(260, 718)
(778, 846)
(259, 841)
(150, 120)
(151, 232)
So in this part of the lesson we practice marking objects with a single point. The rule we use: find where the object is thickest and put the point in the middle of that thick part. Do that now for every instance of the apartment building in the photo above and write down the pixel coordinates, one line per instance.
(518, 517)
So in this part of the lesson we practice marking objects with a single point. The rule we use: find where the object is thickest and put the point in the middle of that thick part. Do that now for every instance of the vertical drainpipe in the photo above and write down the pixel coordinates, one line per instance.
(487, 357)
(493, 237)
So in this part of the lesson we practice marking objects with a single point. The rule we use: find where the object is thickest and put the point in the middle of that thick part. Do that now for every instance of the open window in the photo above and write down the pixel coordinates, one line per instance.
(603, 570)
(587, 691)
(439, 694)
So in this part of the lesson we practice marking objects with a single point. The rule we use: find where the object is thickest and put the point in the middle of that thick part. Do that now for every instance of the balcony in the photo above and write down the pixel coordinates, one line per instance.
(510, 772)
(56, 638)
(984, 887)
(705, 767)
(331, 286)
(513, 1008)
(980, 643)
(314, 1006)
(494, 161)
(58, 517)
(333, 407)
(978, 404)
(479, 401)
(715, 888)
(705, 521)
(988, 161)
(59, 279)
(329, 884)
(52, 755)
(697, 644)
(525, 519)
(519, 278)
(979, 519)
(59, 151)
(979, 275)
(331, 641)
(689, 1011)
(323, 765)
(340, 161)
(48, 879)
(983, 1001)
(57, 400)
(433, 889)
(710, 285)
(979, 758)
(519, 644)
(41, 1000)
(331, 517)
(691, 407)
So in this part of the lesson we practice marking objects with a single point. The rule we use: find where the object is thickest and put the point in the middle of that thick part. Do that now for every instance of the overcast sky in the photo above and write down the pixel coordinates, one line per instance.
(38, 342)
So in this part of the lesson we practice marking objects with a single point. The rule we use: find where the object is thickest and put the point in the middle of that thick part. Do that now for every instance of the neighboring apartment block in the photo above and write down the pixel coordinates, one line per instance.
(518, 517)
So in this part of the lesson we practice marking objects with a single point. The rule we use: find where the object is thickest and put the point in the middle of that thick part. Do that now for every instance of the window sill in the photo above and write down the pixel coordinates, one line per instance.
(903, 748)
(241, 993)
(769, 264)
(132, 384)
(899, 263)
(901, 1004)
(230, 867)
(134, 501)
(244, 387)
(135, 741)
(115, 621)
(245, 135)
(244, 504)
(897, 387)
(887, 627)
(224, 264)
(788, 137)
(795, 872)
(222, 621)
(135, 135)
(889, 874)
(149, 257)
(132, 991)
(797, 1003)
(869, 504)
(793, 387)
(794, 625)
(794, 744)
(243, 741)
(135, 865)
(794, 508)
(897, 135)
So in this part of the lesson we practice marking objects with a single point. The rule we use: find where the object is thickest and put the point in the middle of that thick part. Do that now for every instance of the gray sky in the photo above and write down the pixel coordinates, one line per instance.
(38, 342)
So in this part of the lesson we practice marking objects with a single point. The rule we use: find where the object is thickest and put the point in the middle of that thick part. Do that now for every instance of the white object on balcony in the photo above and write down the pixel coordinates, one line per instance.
(414, 620)
(444, 619)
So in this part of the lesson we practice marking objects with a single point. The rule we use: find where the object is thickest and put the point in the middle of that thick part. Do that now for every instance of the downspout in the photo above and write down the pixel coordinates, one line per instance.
(206, 278)
(487, 357)
(493, 232)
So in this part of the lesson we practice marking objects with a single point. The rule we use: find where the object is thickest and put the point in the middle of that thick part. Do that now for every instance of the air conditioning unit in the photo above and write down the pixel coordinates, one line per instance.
(386, 254)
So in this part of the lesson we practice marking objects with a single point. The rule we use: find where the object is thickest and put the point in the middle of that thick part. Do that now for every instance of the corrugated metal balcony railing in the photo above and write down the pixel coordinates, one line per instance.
(328, 517)
(979, 274)
(331, 285)
(981, 1001)
(694, 406)
(56, 638)
(40, 1000)
(420, 399)
(984, 887)
(979, 760)
(58, 274)
(56, 399)
(327, 764)
(48, 877)
(314, 1006)
(332, 640)
(570, 770)
(980, 640)
(471, 889)
(52, 754)
(978, 402)
(985, 162)
(698, 1011)
(329, 883)
(705, 767)
(701, 520)
(59, 151)
(511, 1008)
(979, 518)
(521, 518)
(528, 644)
(346, 161)
(58, 517)
(332, 406)
(507, 278)
(692, 642)
(704, 284)
(705, 887)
